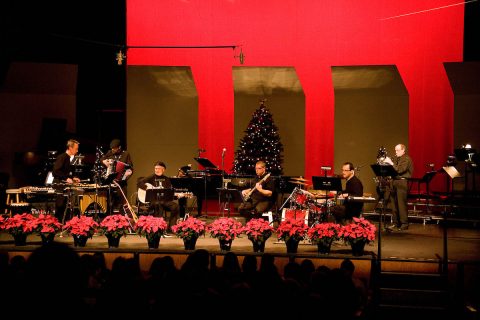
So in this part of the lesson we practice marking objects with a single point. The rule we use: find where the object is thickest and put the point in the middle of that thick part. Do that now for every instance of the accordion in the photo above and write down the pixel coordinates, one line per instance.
(116, 171)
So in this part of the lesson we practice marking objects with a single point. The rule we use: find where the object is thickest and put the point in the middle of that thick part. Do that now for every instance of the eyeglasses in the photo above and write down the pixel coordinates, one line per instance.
(346, 170)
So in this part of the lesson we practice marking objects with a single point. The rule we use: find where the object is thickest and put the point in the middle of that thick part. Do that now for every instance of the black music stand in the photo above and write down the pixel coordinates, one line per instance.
(427, 178)
(159, 194)
(228, 196)
(328, 184)
(382, 171)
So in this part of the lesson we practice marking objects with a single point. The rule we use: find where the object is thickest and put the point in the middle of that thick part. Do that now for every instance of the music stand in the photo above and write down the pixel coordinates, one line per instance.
(159, 194)
(382, 171)
(427, 178)
(327, 184)
(228, 196)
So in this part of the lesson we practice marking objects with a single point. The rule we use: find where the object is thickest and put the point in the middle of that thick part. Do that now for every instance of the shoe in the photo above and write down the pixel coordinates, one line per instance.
(391, 228)
(403, 227)
(167, 235)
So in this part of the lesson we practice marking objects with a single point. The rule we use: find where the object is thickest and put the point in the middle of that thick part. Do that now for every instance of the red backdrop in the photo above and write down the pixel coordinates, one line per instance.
(312, 36)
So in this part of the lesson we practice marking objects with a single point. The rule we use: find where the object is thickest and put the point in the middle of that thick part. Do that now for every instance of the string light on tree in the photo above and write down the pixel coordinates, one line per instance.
(261, 142)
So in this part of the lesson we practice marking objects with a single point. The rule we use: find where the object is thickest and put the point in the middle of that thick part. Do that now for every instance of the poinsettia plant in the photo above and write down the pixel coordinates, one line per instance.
(190, 228)
(291, 228)
(225, 228)
(150, 226)
(258, 229)
(359, 230)
(47, 223)
(81, 226)
(324, 231)
(19, 224)
(115, 225)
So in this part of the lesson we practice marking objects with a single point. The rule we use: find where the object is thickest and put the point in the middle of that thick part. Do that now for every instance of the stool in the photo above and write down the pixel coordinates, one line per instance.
(13, 196)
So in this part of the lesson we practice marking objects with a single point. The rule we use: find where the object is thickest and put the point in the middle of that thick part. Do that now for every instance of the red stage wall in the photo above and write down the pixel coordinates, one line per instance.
(312, 36)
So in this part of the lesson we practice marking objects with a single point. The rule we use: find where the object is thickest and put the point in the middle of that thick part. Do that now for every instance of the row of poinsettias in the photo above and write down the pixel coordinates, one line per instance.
(224, 228)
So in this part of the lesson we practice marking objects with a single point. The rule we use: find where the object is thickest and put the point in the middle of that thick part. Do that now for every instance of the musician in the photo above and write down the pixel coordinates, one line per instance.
(261, 195)
(159, 180)
(403, 165)
(116, 153)
(63, 170)
(354, 188)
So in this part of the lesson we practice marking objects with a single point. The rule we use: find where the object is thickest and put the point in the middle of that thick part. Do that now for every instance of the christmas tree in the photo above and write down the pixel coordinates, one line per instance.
(261, 142)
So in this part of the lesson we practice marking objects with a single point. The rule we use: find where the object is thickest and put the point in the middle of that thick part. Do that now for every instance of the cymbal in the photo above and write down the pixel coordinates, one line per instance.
(298, 182)
(299, 179)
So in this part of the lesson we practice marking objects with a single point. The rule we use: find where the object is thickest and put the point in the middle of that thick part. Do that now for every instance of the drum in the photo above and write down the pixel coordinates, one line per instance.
(288, 213)
(302, 198)
(20, 207)
(88, 200)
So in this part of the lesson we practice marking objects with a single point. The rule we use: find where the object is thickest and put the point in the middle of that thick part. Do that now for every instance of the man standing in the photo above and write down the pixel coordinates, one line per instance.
(63, 170)
(260, 197)
(116, 153)
(354, 188)
(403, 165)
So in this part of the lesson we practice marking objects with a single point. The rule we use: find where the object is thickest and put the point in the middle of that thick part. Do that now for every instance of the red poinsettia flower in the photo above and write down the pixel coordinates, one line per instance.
(115, 225)
(359, 230)
(81, 226)
(258, 229)
(190, 228)
(292, 228)
(47, 223)
(225, 228)
(19, 223)
(326, 230)
(150, 226)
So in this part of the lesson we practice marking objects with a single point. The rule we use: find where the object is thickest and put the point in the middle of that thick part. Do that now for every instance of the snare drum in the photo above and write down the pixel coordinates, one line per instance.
(295, 214)
(20, 207)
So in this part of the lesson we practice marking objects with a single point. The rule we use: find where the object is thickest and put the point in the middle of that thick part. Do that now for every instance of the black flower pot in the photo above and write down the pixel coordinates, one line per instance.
(47, 238)
(358, 248)
(113, 241)
(258, 245)
(79, 240)
(292, 245)
(324, 245)
(225, 245)
(20, 239)
(190, 243)
(153, 241)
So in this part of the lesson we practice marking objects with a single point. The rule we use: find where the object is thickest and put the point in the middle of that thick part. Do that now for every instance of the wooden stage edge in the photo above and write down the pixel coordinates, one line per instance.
(136, 247)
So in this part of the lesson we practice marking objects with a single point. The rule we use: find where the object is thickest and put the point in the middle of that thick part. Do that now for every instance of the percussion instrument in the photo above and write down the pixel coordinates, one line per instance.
(20, 207)
(89, 199)
(301, 197)
(299, 179)
(295, 214)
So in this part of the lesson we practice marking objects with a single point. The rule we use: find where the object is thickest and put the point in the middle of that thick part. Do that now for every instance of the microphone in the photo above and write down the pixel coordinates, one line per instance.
(223, 152)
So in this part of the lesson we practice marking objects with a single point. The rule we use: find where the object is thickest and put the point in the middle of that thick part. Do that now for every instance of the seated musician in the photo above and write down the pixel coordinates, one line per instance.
(63, 174)
(159, 180)
(116, 153)
(260, 197)
(354, 187)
